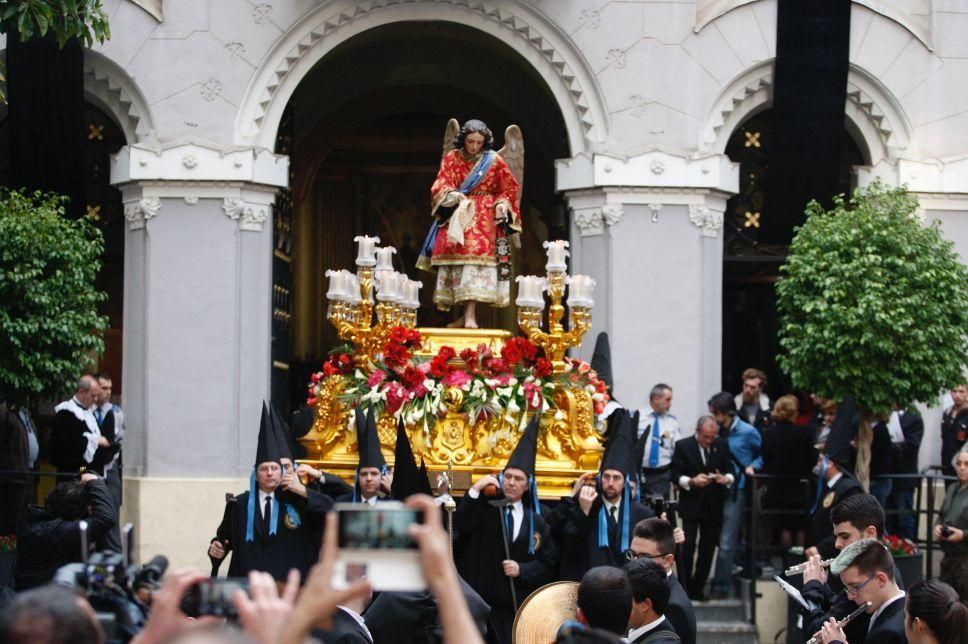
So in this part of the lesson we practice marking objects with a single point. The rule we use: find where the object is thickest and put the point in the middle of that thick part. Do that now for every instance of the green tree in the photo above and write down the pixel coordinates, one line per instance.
(50, 330)
(65, 19)
(873, 304)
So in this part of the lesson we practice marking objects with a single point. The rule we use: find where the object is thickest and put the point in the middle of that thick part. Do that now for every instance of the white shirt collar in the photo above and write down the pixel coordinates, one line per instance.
(880, 609)
(636, 633)
(262, 498)
(359, 620)
(832, 482)
(371, 500)
(609, 506)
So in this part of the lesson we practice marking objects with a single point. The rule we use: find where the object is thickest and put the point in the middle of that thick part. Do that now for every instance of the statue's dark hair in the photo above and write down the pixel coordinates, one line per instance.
(474, 126)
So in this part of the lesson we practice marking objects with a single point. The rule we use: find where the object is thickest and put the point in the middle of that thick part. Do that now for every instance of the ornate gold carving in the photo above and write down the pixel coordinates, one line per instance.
(556, 341)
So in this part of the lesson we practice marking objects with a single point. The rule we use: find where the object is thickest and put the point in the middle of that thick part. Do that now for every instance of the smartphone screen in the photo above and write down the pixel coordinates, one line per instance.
(215, 595)
(376, 528)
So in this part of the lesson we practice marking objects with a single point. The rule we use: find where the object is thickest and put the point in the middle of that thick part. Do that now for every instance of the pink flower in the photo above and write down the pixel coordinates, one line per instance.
(396, 396)
(583, 367)
(456, 379)
(376, 378)
(532, 395)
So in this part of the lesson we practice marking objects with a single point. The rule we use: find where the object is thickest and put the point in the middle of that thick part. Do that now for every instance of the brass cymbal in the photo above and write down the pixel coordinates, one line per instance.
(544, 611)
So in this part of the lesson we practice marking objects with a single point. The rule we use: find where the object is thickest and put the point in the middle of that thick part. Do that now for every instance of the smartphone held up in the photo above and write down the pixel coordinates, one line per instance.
(375, 544)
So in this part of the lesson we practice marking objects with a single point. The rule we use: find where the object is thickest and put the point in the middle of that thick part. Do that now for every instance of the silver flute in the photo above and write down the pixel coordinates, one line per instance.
(799, 568)
(860, 609)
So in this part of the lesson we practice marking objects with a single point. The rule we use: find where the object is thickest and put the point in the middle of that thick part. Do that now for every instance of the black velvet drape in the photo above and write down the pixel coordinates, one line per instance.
(45, 94)
(809, 94)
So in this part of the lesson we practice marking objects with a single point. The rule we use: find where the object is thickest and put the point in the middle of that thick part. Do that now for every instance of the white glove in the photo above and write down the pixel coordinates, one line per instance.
(501, 212)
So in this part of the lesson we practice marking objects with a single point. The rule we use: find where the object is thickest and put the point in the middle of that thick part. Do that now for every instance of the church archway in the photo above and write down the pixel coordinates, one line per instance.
(364, 132)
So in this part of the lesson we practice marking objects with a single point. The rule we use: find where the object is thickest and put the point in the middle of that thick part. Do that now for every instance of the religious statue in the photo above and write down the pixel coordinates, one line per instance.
(476, 201)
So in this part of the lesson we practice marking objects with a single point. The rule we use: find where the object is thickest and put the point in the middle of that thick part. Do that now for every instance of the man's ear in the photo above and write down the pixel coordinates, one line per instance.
(870, 532)
(580, 616)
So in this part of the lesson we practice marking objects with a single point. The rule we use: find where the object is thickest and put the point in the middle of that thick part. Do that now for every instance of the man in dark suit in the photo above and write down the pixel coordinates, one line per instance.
(594, 526)
(906, 444)
(654, 539)
(500, 544)
(867, 572)
(650, 599)
(698, 466)
(372, 479)
(833, 469)
(276, 525)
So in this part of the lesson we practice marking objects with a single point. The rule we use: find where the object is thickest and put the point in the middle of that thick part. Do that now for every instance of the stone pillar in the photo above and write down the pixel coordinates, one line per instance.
(648, 229)
(197, 314)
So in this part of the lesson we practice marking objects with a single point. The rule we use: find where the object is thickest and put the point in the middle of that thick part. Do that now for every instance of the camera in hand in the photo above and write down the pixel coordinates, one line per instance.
(946, 531)
(214, 597)
(661, 505)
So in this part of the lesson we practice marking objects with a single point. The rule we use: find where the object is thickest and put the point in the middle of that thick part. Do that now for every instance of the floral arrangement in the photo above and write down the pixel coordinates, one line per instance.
(899, 546)
(518, 378)
(8, 543)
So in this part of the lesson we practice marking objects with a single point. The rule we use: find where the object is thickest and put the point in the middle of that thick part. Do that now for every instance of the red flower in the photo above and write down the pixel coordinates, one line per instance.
(394, 355)
(542, 368)
(412, 377)
(328, 369)
(316, 377)
(396, 396)
(446, 353)
(518, 349)
(311, 401)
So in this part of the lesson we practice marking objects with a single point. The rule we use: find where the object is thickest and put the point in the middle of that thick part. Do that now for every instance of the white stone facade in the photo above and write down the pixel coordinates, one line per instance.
(649, 93)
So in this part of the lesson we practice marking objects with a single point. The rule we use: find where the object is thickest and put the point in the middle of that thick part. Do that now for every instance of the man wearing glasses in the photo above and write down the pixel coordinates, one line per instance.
(867, 571)
(655, 539)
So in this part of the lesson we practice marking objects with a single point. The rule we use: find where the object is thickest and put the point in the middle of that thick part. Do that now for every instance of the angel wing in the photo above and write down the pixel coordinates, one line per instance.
(513, 152)
(450, 133)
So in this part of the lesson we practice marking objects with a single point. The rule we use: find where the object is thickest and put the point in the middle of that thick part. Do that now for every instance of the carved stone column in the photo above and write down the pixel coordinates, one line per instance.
(649, 230)
(197, 304)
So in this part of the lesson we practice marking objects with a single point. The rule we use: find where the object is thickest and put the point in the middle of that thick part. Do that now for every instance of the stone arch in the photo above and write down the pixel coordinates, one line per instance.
(538, 41)
(110, 88)
(874, 117)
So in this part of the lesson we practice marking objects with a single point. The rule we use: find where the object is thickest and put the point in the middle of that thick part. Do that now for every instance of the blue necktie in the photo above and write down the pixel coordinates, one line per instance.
(509, 522)
(654, 453)
(99, 415)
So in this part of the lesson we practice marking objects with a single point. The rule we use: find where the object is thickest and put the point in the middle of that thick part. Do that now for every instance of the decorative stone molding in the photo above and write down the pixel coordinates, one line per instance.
(589, 221)
(941, 184)
(652, 169)
(612, 213)
(139, 212)
(110, 88)
(552, 54)
(250, 216)
(195, 159)
(708, 221)
(873, 113)
(655, 208)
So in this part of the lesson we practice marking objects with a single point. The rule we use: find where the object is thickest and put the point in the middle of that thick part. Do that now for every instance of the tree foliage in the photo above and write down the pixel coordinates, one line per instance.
(50, 330)
(65, 19)
(873, 303)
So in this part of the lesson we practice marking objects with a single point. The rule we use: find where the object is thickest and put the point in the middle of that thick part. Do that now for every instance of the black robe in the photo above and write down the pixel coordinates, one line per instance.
(290, 547)
(680, 611)
(68, 442)
(823, 529)
(577, 537)
(479, 551)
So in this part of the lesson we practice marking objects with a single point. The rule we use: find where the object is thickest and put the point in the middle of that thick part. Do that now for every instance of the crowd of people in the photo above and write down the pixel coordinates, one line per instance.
(615, 536)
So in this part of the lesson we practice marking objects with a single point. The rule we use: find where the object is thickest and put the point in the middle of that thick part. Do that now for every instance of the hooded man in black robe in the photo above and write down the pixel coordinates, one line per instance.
(502, 545)
(276, 525)
(371, 472)
(594, 525)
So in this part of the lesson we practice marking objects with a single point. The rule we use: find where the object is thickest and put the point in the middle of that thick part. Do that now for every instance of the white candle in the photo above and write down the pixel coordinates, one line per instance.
(580, 289)
(384, 258)
(389, 290)
(335, 291)
(413, 294)
(352, 288)
(364, 255)
(556, 255)
(530, 289)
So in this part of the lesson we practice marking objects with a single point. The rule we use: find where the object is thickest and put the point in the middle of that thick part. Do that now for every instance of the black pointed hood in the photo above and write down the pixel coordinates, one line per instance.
(602, 362)
(526, 451)
(369, 440)
(283, 437)
(406, 475)
(267, 448)
(620, 449)
(423, 484)
(639, 441)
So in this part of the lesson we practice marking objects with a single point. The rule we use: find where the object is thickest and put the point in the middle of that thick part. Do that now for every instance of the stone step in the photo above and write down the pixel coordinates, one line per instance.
(727, 632)
(719, 610)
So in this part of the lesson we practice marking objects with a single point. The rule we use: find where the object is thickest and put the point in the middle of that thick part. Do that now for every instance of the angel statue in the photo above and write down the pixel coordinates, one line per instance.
(476, 201)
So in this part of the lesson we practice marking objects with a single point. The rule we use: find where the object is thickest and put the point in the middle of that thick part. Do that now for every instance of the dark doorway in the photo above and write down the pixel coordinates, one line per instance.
(750, 265)
(365, 135)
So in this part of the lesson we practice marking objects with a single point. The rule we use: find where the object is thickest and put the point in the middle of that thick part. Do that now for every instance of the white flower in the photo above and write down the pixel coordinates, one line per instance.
(513, 381)
(598, 396)
(429, 384)
(503, 391)
(513, 406)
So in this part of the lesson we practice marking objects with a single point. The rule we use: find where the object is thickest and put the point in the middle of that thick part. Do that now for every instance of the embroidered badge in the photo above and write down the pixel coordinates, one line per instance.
(289, 522)
(536, 541)
(829, 499)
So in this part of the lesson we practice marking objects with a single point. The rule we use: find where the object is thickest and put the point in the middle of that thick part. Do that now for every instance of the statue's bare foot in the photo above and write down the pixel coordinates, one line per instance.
(470, 323)
(457, 324)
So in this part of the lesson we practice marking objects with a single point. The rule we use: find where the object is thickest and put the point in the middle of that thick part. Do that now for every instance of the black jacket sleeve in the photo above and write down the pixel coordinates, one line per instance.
(541, 571)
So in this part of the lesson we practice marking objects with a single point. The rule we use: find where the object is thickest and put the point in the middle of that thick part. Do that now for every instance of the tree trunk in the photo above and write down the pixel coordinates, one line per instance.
(865, 434)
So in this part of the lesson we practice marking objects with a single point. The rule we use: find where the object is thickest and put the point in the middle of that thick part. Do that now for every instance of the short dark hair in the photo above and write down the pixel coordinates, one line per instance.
(658, 530)
(605, 598)
(102, 375)
(753, 372)
(474, 126)
(68, 501)
(648, 580)
(722, 403)
(860, 511)
(49, 615)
